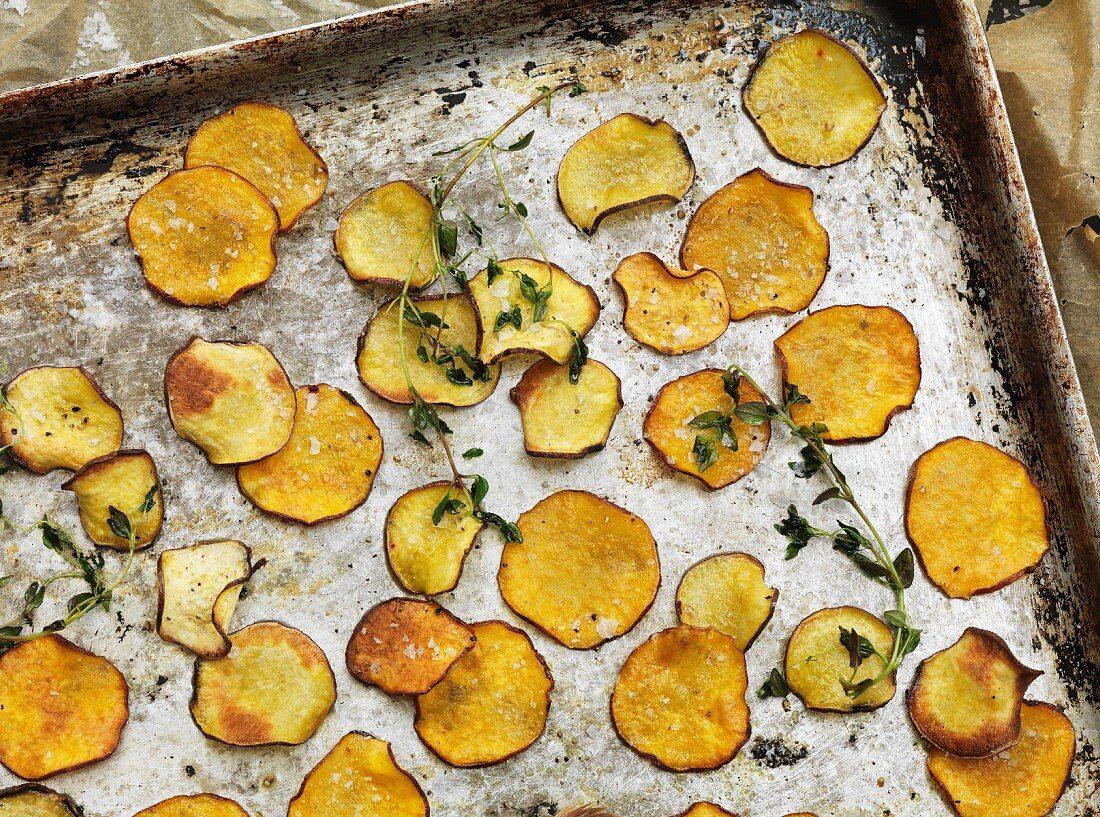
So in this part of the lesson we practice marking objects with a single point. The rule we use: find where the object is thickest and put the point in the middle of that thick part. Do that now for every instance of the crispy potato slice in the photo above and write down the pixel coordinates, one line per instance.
(58, 417)
(625, 162)
(194, 805)
(727, 591)
(274, 687)
(859, 365)
(205, 236)
(815, 101)
(491, 704)
(562, 419)
(31, 800)
(262, 143)
(680, 699)
(585, 572)
(571, 306)
(966, 698)
(63, 707)
(975, 517)
(671, 311)
(360, 776)
(817, 661)
(232, 399)
(667, 428)
(1024, 780)
(760, 236)
(382, 236)
(121, 480)
(328, 466)
(707, 810)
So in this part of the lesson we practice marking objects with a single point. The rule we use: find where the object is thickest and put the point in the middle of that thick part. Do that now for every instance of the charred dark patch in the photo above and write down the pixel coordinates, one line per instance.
(773, 753)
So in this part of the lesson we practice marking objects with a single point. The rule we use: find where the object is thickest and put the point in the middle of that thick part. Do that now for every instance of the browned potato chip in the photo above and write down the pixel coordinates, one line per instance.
(727, 592)
(491, 704)
(585, 572)
(383, 236)
(625, 162)
(685, 448)
(57, 417)
(204, 236)
(1024, 780)
(122, 480)
(359, 777)
(326, 469)
(571, 307)
(817, 661)
(707, 810)
(31, 800)
(194, 805)
(262, 143)
(760, 236)
(859, 365)
(274, 687)
(680, 699)
(966, 698)
(563, 419)
(816, 102)
(62, 707)
(232, 399)
(975, 517)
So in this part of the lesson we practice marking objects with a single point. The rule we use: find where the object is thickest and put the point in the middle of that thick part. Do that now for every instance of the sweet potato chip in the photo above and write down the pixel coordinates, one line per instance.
(1024, 780)
(585, 572)
(680, 699)
(194, 805)
(563, 419)
(816, 102)
(31, 800)
(326, 469)
(975, 517)
(57, 417)
(491, 704)
(625, 162)
(817, 661)
(122, 480)
(727, 592)
(274, 687)
(262, 144)
(360, 776)
(859, 365)
(383, 236)
(707, 810)
(702, 452)
(204, 236)
(760, 236)
(232, 399)
(505, 309)
(63, 707)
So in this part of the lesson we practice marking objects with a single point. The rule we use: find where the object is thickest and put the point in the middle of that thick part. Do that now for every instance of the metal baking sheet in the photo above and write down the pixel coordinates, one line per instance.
(932, 218)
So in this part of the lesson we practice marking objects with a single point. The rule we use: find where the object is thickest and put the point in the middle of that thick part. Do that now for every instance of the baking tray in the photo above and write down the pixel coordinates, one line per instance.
(932, 218)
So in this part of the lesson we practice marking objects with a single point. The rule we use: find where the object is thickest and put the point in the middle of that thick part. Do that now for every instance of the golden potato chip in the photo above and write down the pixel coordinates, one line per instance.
(122, 480)
(384, 236)
(680, 699)
(274, 687)
(859, 365)
(585, 572)
(505, 308)
(31, 800)
(232, 399)
(625, 162)
(817, 662)
(727, 591)
(707, 810)
(1024, 780)
(491, 704)
(57, 417)
(975, 517)
(671, 311)
(380, 363)
(62, 707)
(563, 419)
(760, 236)
(360, 776)
(326, 469)
(701, 450)
(405, 646)
(205, 236)
(262, 143)
(194, 805)
(815, 101)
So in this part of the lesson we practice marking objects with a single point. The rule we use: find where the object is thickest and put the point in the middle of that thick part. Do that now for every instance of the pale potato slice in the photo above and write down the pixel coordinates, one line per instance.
(625, 162)
(707, 810)
(384, 236)
(58, 417)
(32, 800)
(585, 572)
(727, 591)
(194, 805)
(122, 480)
